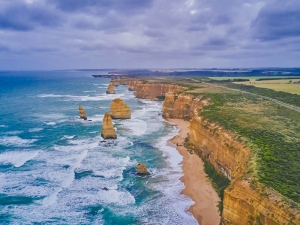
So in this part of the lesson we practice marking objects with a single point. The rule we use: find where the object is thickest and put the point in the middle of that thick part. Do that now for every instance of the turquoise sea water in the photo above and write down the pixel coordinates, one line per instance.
(53, 166)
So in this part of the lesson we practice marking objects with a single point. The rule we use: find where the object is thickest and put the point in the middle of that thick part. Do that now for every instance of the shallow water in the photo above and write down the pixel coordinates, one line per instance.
(53, 166)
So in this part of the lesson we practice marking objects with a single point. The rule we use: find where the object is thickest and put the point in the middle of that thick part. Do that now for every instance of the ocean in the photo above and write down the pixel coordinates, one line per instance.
(54, 167)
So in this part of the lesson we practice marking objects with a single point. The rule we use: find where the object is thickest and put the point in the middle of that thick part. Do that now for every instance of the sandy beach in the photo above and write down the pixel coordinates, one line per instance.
(197, 185)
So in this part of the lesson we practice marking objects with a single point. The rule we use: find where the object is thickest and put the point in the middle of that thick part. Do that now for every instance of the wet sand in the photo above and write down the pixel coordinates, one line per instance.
(197, 185)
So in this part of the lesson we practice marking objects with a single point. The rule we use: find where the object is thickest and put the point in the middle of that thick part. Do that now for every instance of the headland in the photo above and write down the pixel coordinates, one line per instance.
(248, 153)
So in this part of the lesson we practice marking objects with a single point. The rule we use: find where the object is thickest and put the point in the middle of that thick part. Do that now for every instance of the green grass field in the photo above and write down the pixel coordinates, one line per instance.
(276, 85)
(250, 78)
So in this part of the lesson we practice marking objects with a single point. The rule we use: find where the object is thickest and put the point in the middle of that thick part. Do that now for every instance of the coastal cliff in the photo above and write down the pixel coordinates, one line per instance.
(242, 202)
(155, 91)
(151, 91)
(119, 109)
(182, 106)
(131, 82)
(108, 131)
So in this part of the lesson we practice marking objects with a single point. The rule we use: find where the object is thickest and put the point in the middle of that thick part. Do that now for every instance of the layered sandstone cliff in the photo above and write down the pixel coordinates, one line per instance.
(119, 109)
(242, 204)
(182, 106)
(82, 113)
(131, 82)
(108, 131)
(110, 89)
(155, 91)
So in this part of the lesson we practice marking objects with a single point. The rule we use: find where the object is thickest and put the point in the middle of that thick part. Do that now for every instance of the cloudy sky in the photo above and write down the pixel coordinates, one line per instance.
(66, 34)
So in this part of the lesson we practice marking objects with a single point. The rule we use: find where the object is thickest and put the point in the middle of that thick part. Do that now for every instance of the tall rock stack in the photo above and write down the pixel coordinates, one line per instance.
(108, 131)
(82, 113)
(119, 109)
(110, 89)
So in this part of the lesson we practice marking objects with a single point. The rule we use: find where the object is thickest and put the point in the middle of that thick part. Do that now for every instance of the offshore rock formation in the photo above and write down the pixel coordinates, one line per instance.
(155, 91)
(82, 113)
(119, 109)
(110, 89)
(182, 106)
(141, 169)
(108, 131)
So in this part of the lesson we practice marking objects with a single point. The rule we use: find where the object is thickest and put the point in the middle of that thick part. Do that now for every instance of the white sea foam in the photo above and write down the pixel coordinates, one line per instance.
(35, 129)
(3, 126)
(50, 123)
(68, 136)
(17, 158)
(137, 127)
(16, 141)
(51, 116)
(115, 197)
(98, 118)
(81, 97)
(14, 132)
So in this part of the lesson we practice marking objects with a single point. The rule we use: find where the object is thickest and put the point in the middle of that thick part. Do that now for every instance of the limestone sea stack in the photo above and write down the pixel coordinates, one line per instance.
(119, 109)
(110, 89)
(108, 131)
(141, 169)
(82, 113)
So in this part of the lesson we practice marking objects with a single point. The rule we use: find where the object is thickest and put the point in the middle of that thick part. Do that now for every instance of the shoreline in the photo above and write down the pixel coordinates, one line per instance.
(197, 185)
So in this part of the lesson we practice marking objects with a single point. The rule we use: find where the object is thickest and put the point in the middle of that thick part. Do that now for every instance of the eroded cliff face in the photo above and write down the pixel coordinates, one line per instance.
(154, 91)
(242, 204)
(219, 147)
(119, 109)
(131, 82)
(108, 131)
(182, 106)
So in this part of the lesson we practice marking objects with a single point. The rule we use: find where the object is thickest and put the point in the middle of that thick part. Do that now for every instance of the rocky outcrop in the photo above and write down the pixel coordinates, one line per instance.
(155, 91)
(110, 89)
(182, 106)
(131, 82)
(82, 113)
(108, 131)
(242, 204)
(143, 90)
(141, 169)
(245, 205)
(119, 109)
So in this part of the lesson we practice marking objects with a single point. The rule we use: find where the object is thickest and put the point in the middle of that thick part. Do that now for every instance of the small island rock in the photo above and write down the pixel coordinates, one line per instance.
(141, 169)
(119, 109)
(108, 131)
(82, 113)
(110, 89)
